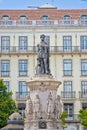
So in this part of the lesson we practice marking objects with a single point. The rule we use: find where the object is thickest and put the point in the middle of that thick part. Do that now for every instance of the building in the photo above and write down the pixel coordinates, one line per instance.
(66, 33)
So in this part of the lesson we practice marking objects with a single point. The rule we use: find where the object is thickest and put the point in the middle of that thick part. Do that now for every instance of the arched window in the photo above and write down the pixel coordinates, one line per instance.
(5, 17)
(83, 19)
(44, 17)
(22, 17)
(67, 19)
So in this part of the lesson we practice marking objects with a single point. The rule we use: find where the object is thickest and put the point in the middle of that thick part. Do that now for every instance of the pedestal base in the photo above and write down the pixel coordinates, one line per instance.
(43, 125)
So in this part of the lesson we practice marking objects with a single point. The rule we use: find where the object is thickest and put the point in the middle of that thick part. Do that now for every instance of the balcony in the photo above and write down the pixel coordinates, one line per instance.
(72, 118)
(22, 95)
(33, 50)
(83, 95)
(42, 23)
(68, 95)
(5, 73)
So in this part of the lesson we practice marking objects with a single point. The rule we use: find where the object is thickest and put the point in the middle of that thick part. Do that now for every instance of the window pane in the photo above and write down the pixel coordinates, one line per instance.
(23, 65)
(69, 108)
(84, 89)
(23, 17)
(67, 89)
(23, 43)
(5, 43)
(5, 17)
(5, 68)
(67, 19)
(83, 67)
(67, 43)
(67, 67)
(83, 43)
(45, 17)
(22, 89)
(84, 19)
(7, 85)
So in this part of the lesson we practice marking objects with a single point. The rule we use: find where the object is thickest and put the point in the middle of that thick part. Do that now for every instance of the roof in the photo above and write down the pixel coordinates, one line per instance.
(50, 11)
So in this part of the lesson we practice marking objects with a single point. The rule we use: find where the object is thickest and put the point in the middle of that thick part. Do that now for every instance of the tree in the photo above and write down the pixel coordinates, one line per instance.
(63, 117)
(83, 117)
(7, 104)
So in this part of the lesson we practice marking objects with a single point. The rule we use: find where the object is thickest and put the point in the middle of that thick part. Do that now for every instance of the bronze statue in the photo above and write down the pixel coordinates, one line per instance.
(43, 57)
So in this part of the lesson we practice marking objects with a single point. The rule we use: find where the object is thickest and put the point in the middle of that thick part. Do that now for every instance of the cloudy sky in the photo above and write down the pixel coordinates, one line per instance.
(61, 4)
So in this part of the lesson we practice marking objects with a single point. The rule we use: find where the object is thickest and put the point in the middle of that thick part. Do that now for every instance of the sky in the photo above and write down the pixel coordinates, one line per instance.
(60, 4)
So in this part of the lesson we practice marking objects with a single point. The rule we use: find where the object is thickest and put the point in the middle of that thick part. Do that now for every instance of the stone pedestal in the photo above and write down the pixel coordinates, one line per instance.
(42, 108)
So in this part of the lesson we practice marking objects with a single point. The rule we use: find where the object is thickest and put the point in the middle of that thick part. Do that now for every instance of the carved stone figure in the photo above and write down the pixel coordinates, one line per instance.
(36, 107)
(43, 57)
(58, 107)
(29, 108)
(50, 106)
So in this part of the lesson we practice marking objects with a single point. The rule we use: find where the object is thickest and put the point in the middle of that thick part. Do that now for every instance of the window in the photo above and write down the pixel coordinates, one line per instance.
(5, 68)
(69, 108)
(7, 85)
(23, 17)
(22, 89)
(84, 67)
(67, 67)
(47, 39)
(84, 105)
(83, 19)
(67, 87)
(5, 17)
(44, 19)
(5, 43)
(67, 43)
(84, 89)
(67, 19)
(23, 43)
(23, 65)
(83, 43)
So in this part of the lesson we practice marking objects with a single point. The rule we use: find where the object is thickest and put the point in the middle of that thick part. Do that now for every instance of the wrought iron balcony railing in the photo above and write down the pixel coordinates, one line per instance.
(46, 23)
(72, 117)
(33, 49)
(68, 94)
(5, 73)
(83, 94)
(22, 95)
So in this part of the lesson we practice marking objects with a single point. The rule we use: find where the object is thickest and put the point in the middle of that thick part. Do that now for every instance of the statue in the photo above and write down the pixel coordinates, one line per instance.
(50, 106)
(36, 107)
(43, 57)
(29, 108)
(58, 107)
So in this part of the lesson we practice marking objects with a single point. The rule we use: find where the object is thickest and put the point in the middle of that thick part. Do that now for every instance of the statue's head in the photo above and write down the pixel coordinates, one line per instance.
(42, 37)
(58, 97)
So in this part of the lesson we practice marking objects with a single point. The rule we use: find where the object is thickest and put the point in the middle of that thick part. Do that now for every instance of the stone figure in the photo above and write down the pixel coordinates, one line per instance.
(36, 107)
(29, 108)
(58, 107)
(50, 106)
(43, 57)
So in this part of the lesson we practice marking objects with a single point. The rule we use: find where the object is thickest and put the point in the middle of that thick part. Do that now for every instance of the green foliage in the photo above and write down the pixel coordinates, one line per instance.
(83, 117)
(7, 104)
(63, 117)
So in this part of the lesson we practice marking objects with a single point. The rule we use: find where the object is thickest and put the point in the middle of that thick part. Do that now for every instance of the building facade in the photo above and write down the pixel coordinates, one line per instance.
(66, 33)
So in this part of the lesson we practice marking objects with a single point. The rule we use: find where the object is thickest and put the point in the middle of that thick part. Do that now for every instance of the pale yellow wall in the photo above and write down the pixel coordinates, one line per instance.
(56, 61)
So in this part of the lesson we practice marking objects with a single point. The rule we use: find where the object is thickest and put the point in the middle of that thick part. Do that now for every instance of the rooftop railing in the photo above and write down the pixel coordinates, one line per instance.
(37, 23)
(33, 49)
